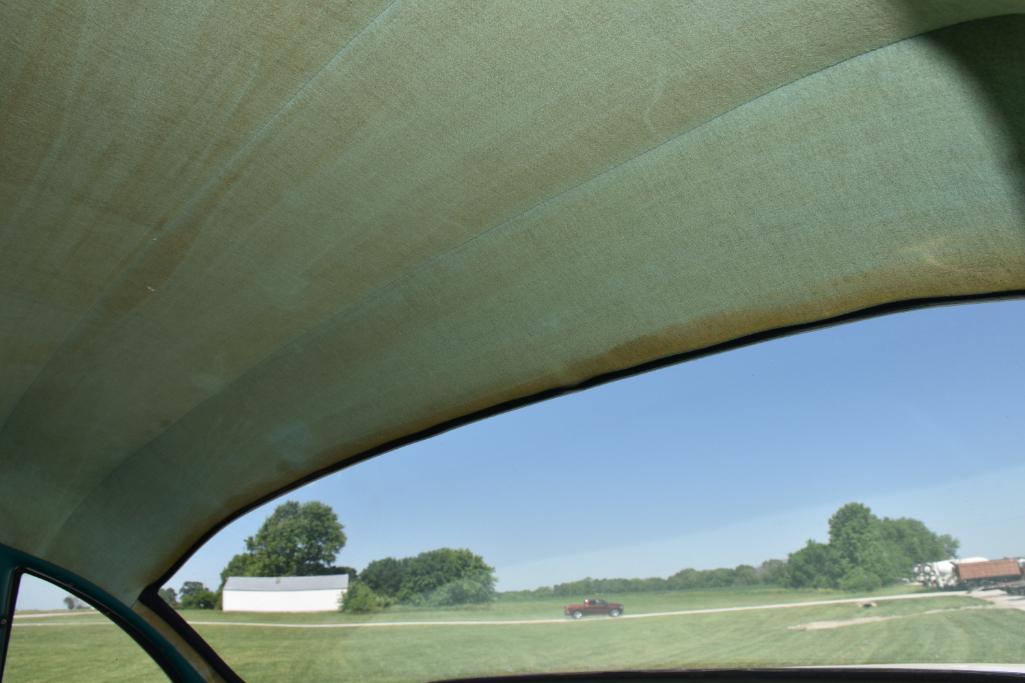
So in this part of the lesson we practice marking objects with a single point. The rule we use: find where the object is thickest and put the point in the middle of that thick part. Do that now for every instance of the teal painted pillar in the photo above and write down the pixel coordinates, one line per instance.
(8, 593)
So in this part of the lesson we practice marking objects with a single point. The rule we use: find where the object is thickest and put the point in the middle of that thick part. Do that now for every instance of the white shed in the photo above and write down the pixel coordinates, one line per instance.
(284, 593)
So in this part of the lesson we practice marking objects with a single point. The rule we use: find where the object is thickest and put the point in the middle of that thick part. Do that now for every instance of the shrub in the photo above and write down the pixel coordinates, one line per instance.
(361, 598)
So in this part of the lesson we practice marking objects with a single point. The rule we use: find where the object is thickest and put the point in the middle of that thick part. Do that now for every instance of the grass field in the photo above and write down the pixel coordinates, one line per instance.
(944, 629)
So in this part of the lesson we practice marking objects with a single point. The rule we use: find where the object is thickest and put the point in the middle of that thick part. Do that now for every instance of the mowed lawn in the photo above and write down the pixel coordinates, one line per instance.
(939, 630)
(551, 608)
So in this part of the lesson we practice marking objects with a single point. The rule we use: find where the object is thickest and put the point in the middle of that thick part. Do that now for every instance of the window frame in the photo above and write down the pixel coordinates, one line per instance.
(14, 564)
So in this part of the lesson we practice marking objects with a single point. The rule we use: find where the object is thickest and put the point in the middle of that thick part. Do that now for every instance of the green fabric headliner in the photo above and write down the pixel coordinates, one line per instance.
(241, 244)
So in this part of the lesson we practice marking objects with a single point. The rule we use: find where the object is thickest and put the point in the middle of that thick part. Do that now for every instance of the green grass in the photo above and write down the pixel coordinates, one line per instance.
(518, 608)
(96, 651)
(980, 633)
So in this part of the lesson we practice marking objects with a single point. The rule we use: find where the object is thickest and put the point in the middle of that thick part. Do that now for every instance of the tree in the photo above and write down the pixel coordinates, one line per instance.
(194, 595)
(718, 578)
(773, 572)
(442, 576)
(745, 575)
(916, 542)
(816, 565)
(865, 552)
(854, 533)
(296, 540)
(168, 595)
(685, 579)
(72, 603)
(239, 565)
(861, 542)
(384, 576)
(473, 588)
(860, 580)
(950, 546)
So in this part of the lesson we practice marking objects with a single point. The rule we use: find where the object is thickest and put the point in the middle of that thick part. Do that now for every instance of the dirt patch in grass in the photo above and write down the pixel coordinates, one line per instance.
(843, 623)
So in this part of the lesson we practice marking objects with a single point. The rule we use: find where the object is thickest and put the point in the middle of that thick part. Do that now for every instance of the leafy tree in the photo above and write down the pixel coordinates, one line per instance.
(194, 595)
(685, 579)
(384, 576)
(772, 572)
(339, 569)
(239, 565)
(71, 603)
(431, 570)
(470, 589)
(169, 596)
(855, 536)
(816, 565)
(916, 543)
(859, 580)
(296, 540)
(465, 576)
(865, 551)
(718, 578)
(745, 575)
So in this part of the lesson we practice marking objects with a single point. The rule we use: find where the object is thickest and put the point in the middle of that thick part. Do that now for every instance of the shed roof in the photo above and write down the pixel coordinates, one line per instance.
(287, 583)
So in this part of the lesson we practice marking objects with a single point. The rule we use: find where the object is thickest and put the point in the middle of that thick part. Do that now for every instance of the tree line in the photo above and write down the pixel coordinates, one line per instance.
(863, 552)
(767, 573)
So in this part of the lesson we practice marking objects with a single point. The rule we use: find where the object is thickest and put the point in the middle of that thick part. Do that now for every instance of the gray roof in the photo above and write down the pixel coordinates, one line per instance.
(287, 583)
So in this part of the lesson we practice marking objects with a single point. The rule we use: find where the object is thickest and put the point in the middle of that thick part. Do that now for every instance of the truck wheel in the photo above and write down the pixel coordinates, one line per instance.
(615, 612)
(577, 614)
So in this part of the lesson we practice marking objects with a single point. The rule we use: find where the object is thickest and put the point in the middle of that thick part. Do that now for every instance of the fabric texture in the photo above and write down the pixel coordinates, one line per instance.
(240, 243)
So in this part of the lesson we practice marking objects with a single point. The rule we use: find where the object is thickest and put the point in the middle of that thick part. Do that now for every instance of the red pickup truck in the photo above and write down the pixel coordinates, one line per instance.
(593, 606)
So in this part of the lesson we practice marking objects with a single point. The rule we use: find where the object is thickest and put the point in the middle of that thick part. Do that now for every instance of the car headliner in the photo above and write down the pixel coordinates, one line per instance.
(243, 244)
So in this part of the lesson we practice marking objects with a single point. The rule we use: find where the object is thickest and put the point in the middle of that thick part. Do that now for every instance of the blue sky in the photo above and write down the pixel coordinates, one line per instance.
(729, 459)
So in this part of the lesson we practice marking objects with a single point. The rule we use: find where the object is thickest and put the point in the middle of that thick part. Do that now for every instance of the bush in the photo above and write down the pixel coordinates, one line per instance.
(859, 580)
(360, 599)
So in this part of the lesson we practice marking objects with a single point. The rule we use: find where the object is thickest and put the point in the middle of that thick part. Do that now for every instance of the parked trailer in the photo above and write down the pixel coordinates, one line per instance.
(978, 574)
(972, 572)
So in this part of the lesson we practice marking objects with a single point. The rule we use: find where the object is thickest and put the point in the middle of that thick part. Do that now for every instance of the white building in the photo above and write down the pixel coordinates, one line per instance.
(284, 593)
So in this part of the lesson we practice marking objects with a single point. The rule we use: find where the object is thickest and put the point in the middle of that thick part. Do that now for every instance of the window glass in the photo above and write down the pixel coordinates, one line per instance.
(813, 500)
(57, 637)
